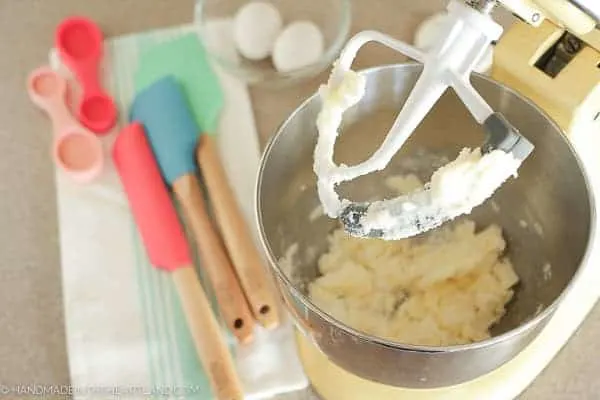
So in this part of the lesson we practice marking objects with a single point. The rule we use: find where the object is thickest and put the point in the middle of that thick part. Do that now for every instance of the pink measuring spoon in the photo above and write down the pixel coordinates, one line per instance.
(79, 43)
(76, 150)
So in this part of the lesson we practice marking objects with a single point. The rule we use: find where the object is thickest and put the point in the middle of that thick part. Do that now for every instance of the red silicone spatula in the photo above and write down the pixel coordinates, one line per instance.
(168, 250)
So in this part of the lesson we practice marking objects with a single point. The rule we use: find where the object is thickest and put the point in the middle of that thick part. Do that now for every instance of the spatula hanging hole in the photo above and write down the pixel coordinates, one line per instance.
(264, 309)
(238, 323)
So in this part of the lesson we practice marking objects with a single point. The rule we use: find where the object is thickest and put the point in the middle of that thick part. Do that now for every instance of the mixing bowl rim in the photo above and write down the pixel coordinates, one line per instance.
(524, 327)
(342, 32)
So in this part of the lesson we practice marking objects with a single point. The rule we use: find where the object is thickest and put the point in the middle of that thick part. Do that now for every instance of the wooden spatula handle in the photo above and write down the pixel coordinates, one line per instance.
(235, 233)
(208, 339)
(228, 291)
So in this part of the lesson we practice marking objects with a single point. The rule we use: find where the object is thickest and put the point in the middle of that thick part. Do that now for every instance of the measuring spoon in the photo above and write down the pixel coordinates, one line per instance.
(79, 43)
(77, 151)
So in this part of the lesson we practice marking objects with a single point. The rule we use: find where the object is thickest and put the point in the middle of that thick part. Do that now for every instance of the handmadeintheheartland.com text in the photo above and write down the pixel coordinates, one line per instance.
(30, 390)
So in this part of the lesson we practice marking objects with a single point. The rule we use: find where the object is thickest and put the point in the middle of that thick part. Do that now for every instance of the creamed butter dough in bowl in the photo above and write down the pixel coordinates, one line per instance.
(446, 287)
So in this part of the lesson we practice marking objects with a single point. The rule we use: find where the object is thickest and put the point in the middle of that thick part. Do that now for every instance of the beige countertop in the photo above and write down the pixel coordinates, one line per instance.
(32, 346)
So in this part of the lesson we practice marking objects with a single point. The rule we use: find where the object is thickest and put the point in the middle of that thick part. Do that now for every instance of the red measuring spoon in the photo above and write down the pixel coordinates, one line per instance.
(79, 43)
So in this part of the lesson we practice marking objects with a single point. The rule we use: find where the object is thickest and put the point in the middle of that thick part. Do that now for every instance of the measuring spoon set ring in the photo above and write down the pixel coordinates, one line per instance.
(76, 147)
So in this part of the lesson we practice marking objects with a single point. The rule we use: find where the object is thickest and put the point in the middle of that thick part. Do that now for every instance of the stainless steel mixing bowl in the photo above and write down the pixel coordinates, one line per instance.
(547, 216)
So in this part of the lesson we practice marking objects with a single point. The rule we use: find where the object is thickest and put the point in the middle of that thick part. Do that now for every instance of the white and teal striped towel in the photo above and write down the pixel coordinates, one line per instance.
(126, 333)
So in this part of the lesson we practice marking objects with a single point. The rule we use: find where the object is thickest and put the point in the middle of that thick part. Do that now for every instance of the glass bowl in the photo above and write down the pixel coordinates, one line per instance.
(214, 20)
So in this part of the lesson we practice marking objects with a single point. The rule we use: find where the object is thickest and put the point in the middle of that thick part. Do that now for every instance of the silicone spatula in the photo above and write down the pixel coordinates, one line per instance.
(167, 249)
(171, 129)
(186, 60)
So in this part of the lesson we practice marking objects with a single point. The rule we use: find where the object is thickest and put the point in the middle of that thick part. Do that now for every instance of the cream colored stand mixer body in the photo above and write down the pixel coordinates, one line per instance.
(550, 56)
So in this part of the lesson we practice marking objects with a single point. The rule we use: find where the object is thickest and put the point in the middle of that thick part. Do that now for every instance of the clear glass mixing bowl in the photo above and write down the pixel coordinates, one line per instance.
(214, 19)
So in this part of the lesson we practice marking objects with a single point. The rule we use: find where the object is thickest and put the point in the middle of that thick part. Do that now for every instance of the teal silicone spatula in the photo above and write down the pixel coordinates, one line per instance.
(185, 59)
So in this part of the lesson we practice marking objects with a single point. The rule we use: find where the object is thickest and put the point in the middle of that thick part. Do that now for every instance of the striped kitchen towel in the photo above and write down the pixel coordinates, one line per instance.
(126, 334)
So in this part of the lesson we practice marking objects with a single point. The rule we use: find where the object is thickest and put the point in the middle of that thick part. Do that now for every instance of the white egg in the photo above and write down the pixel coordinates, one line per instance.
(256, 26)
(298, 45)
(429, 32)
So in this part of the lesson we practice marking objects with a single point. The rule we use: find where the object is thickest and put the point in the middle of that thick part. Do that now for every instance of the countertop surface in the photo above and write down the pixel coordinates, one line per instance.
(32, 344)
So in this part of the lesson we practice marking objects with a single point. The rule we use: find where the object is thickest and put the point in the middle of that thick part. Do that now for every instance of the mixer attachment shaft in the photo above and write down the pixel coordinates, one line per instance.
(501, 135)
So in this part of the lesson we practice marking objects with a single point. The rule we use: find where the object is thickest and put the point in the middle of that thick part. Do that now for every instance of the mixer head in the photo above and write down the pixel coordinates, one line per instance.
(463, 40)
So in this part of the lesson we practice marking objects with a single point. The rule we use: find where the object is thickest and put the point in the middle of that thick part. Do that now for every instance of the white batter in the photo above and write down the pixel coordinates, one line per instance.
(455, 189)
(447, 288)
(344, 89)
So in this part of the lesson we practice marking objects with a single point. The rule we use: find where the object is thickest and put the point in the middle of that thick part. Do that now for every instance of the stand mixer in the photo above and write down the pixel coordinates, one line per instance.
(550, 57)
(462, 40)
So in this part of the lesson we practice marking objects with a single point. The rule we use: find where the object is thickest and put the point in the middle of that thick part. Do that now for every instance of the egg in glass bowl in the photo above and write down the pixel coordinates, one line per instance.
(273, 42)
